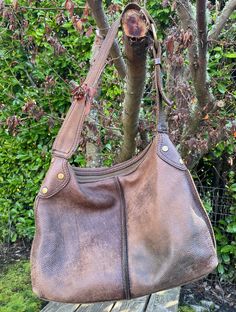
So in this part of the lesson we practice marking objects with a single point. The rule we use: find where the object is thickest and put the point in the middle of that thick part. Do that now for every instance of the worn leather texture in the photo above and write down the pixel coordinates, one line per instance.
(121, 232)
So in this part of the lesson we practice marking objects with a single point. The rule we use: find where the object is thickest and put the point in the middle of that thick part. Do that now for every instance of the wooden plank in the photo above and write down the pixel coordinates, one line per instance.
(96, 307)
(135, 305)
(164, 301)
(154, 305)
(60, 307)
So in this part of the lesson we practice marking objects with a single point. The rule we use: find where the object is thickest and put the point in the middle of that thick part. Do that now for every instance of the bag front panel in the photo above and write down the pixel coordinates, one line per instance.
(76, 253)
(170, 240)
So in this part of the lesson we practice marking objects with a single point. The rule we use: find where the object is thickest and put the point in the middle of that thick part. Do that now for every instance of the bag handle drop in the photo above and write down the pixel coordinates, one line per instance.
(68, 136)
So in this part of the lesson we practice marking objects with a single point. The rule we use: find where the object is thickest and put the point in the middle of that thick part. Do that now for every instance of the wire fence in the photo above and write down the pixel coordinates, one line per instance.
(219, 203)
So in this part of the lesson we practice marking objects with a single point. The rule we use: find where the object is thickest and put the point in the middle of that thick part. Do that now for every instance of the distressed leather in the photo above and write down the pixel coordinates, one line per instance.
(121, 232)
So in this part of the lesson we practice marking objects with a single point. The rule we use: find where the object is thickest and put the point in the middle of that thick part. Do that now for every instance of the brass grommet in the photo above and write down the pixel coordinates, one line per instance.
(165, 148)
(181, 161)
(44, 190)
(60, 176)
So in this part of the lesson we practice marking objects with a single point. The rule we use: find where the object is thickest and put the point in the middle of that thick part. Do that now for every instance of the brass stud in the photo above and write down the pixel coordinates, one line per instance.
(60, 176)
(181, 161)
(44, 190)
(165, 148)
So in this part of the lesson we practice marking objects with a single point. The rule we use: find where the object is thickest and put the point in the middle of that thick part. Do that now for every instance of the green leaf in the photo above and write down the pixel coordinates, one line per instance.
(230, 55)
(219, 49)
(227, 249)
(221, 268)
(226, 258)
(231, 228)
(233, 187)
(221, 88)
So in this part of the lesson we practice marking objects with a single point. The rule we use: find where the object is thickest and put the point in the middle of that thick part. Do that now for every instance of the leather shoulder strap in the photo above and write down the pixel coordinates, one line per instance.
(68, 137)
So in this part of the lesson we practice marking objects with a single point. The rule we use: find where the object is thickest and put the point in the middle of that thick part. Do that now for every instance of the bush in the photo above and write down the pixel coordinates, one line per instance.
(185, 309)
(15, 289)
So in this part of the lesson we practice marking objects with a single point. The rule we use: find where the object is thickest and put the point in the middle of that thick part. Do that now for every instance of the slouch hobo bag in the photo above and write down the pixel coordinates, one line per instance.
(121, 232)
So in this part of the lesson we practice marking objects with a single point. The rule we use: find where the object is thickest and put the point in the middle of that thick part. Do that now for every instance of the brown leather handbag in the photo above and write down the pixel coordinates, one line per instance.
(121, 232)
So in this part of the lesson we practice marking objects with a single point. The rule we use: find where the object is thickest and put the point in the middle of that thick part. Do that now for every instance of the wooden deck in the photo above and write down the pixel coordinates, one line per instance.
(164, 301)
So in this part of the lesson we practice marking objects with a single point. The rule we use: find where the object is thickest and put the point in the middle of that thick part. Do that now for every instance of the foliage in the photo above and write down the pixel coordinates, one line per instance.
(225, 234)
(185, 309)
(34, 99)
(41, 52)
(15, 289)
(216, 170)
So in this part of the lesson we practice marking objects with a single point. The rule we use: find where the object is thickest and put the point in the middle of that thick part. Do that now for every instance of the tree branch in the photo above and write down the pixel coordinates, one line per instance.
(197, 49)
(93, 158)
(103, 26)
(136, 44)
(201, 74)
(186, 16)
(198, 66)
(221, 20)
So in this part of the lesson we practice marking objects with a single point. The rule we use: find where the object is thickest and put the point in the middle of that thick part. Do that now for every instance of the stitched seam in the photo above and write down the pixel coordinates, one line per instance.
(75, 140)
(138, 159)
(165, 157)
(77, 134)
(168, 158)
(60, 186)
(66, 122)
(125, 240)
(121, 242)
(200, 208)
(125, 267)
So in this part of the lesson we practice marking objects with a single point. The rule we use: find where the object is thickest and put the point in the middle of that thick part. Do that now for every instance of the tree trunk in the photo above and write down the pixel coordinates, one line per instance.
(136, 46)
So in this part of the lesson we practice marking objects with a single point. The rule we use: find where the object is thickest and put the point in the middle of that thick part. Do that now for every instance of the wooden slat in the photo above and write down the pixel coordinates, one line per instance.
(154, 305)
(164, 301)
(60, 307)
(135, 305)
(96, 307)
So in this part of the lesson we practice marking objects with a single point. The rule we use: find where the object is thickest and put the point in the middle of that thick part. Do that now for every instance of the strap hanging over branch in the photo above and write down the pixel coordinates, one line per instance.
(69, 135)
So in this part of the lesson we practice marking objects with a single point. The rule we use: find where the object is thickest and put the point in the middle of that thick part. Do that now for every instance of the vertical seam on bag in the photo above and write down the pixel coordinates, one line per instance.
(124, 242)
